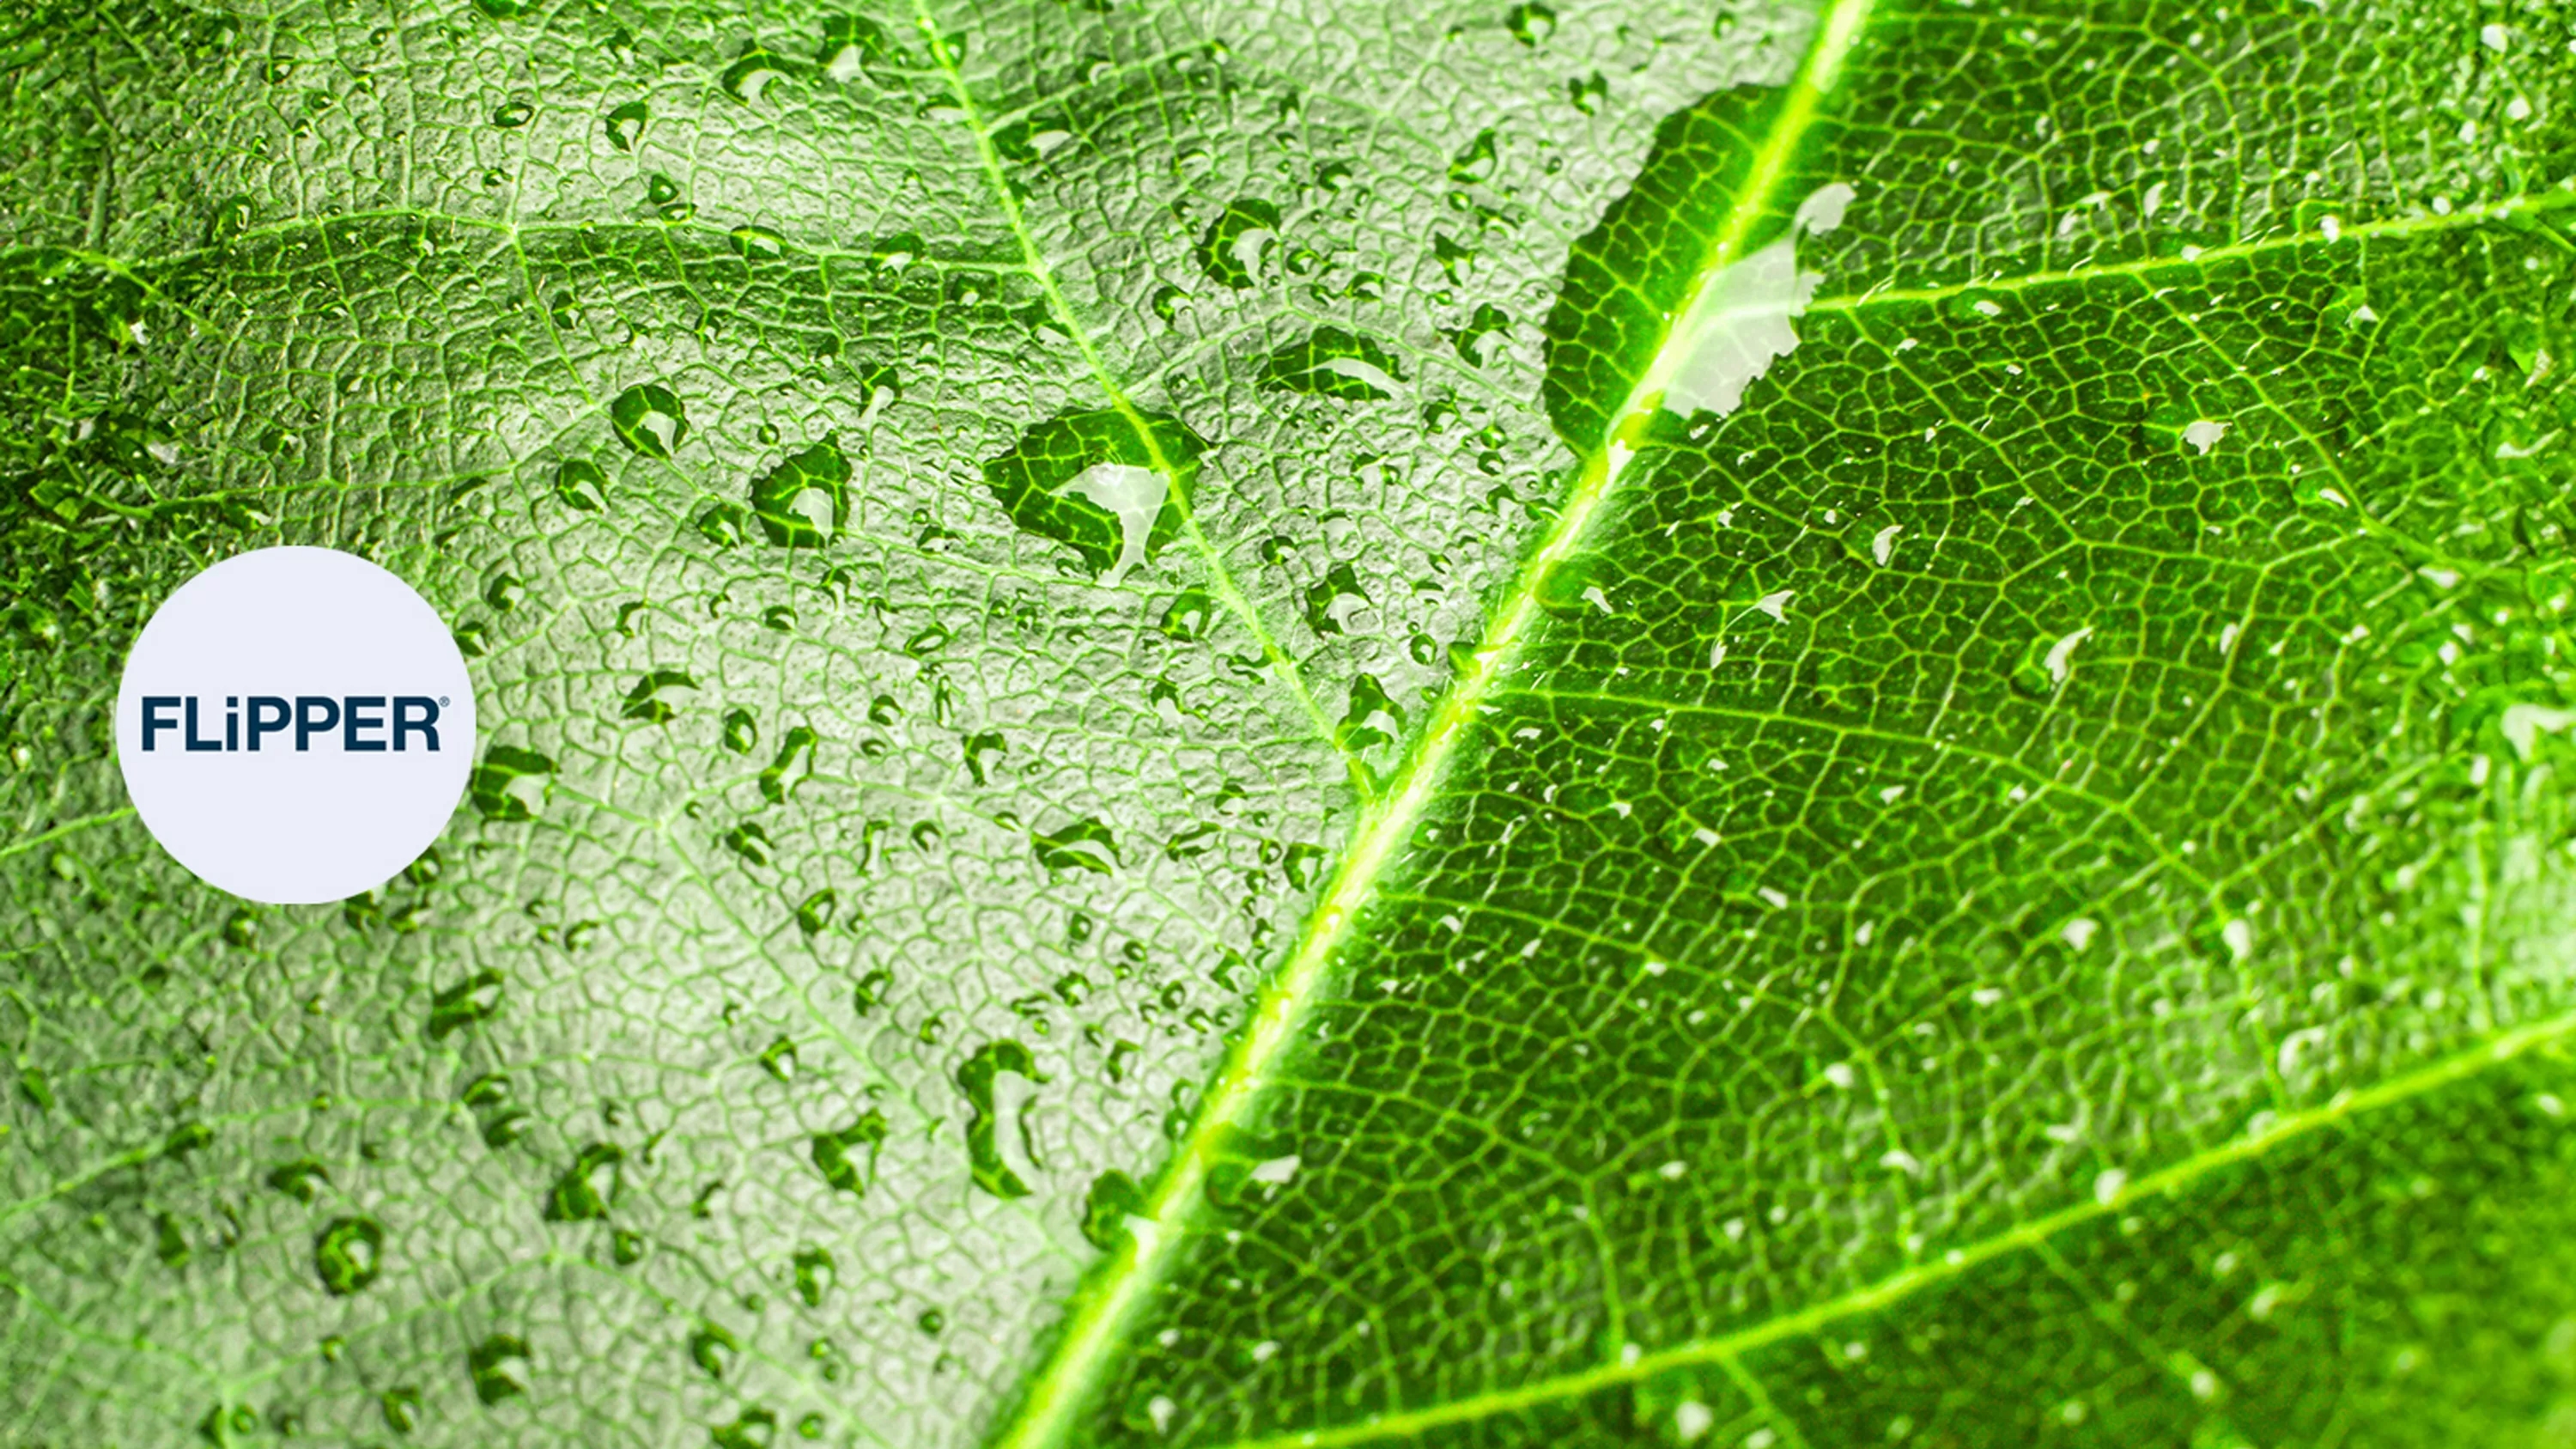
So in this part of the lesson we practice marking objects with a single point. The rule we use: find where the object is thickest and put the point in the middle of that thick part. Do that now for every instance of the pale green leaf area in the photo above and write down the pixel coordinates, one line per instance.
(1257, 724)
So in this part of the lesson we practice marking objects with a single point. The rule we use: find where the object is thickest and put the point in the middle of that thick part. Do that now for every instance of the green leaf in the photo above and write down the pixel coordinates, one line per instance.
(1509, 725)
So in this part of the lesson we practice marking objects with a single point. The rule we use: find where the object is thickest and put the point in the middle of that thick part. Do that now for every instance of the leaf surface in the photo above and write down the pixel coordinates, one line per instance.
(1519, 725)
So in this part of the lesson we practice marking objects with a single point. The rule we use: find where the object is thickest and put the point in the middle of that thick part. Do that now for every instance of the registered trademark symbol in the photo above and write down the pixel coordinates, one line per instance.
(442, 701)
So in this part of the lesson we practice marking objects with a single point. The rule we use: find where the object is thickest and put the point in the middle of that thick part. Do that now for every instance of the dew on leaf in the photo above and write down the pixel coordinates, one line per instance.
(513, 114)
(660, 190)
(831, 1152)
(977, 746)
(800, 740)
(582, 484)
(504, 592)
(749, 75)
(712, 1348)
(494, 784)
(814, 913)
(1236, 246)
(815, 1273)
(1371, 720)
(751, 1429)
(1476, 161)
(779, 1059)
(1531, 23)
(1168, 301)
(625, 124)
(401, 1406)
(653, 697)
(740, 732)
(649, 418)
(469, 1001)
(1476, 340)
(486, 1361)
(851, 42)
(578, 1195)
(1093, 481)
(804, 502)
(726, 525)
(757, 243)
(1188, 616)
(1330, 599)
(1456, 261)
(898, 251)
(976, 1078)
(1086, 844)
(349, 1254)
(749, 841)
(1330, 362)
(626, 1247)
(170, 1245)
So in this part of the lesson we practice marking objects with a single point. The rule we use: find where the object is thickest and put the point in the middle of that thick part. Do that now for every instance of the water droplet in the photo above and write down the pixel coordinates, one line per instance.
(779, 1059)
(1112, 1200)
(1475, 341)
(1086, 844)
(814, 913)
(1298, 863)
(810, 1427)
(757, 243)
(751, 1429)
(850, 43)
(649, 418)
(773, 781)
(492, 1383)
(582, 484)
(1168, 301)
(626, 125)
(898, 251)
(1188, 616)
(660, 190)
(493, 787)
(1531, 23)
(815, 1274)
(832, 1153)
(1092, 481)
(1476, 162)
(504, 592)
(740, 731)
(232, 217)
(1587, 93)
(976, 1080)
(712, 1348)
(651, 700)
(577, 1195)
(747, 77)
(462, 1005)
(1333, 363)
(805, 501)
(1236, 246)
(349, 1254)
(1328, 599)
(626, 1246)
(401, 1405)
(513, 114)
(1456, 261)
(749, 841)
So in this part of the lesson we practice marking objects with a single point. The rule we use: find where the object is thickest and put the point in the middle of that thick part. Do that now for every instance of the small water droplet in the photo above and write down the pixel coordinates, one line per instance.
(582, 484)
(748, 76)
(513, 114)
(1236, 246)
(625, 124)
(349, 1254)
(805, 501)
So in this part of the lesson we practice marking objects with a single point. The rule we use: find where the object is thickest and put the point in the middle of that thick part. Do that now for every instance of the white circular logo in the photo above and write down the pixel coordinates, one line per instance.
(295, 725)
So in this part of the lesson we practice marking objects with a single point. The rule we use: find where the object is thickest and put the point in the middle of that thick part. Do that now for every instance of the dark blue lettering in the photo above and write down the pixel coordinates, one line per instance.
(276, 713)
(153, 724)
(190, 734)
(427, 724)
(314, 714)
(351, 722)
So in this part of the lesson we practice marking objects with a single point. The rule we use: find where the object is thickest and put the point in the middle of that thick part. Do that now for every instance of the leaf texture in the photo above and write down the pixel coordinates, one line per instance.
(1273, 725)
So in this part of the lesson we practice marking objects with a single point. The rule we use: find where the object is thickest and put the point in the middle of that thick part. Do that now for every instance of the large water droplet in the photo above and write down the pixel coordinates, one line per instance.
(747, 77)
(625, 124)
(1236, 246)
(1086, 844)
(649, 418)
(1333, 363)
(492, 1383)
(1094, 482)
(805, 501)
(493, 787)
(976, 1080)
(1113, 1199)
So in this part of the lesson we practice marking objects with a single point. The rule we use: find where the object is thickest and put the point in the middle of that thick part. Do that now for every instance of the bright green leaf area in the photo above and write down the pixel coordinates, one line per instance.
(1221, 725)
